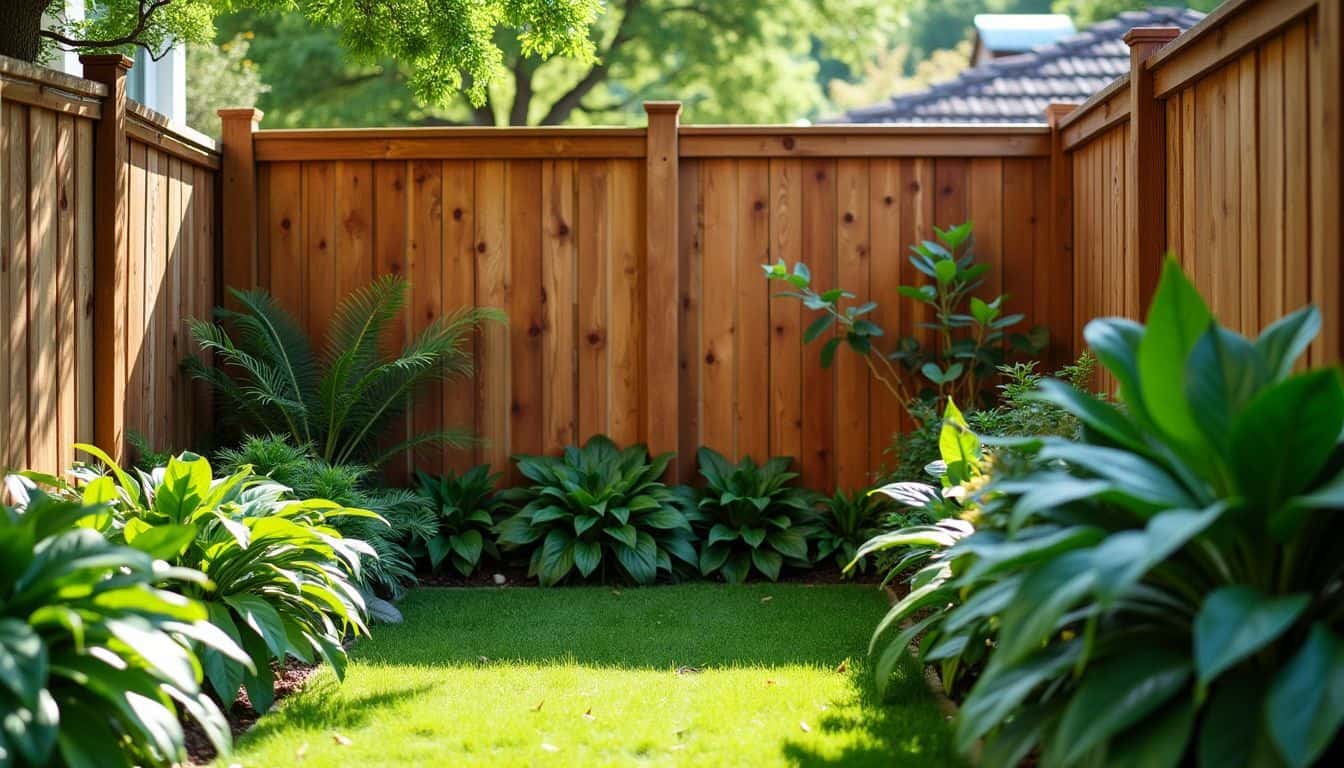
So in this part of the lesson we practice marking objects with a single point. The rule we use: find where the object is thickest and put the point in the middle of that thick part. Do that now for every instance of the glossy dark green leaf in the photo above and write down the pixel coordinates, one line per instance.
(818, 327)
(1301, 417)
(1305, 707)
(1115, 695)
(1284, 341)
(1238, 621)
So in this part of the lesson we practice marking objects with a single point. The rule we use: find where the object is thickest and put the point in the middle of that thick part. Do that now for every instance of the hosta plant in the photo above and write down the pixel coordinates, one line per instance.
(96, 659)
(848, 519)
(754, 517)
(281, 579)
(598, 510)
(339, 400)
(464, 507)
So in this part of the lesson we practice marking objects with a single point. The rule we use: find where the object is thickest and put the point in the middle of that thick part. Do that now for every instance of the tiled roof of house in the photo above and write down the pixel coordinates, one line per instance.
(1016, 89)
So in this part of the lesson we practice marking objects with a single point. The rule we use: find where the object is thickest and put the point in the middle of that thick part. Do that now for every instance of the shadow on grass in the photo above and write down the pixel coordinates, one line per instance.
(321, 707)
(903, 730)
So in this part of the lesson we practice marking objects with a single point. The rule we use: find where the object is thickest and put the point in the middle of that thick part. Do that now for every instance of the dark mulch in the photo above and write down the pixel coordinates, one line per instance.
(289, 679)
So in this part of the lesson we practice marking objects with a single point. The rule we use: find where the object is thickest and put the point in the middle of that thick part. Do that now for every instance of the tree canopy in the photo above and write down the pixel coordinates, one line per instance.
(446, 46)
(763, 61)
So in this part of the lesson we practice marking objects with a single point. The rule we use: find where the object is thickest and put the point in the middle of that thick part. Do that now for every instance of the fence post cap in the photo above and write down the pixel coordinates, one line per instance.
(660, 107)
(117, 60)
(1159, 35)
(240, 113)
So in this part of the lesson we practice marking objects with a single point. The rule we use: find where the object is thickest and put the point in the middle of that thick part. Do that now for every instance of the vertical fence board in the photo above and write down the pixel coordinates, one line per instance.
(526, 313)
(459, 293)
(593, 242)
(559, 368)
(42, 255)
(425, 264)
(851, 373)
(752, 356)
(626, 297)
(787, 355)
(493, 286)
(717, 422)
(819, 217)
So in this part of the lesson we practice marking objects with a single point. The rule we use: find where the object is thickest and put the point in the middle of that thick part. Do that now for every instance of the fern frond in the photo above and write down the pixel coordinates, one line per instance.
(272, 329)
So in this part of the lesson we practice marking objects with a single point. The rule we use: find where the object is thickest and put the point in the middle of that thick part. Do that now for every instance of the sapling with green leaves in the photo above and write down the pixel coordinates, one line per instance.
(969, 335)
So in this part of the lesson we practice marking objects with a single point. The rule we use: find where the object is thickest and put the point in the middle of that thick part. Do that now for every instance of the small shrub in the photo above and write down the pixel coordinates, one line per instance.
(754, 518)
(848, 519)
(95, 654)
(279, 575)
(339, 402)
(465, 507)
(595, 510)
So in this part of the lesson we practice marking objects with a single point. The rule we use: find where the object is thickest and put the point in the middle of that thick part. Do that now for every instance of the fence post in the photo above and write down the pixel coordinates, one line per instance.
(661, 280)
(111, 169)
(238, 200)
(1146, 182)
(1060, 315)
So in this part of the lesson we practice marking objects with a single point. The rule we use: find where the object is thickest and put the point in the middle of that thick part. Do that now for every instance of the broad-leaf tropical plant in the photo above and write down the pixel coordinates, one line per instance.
(924, 554)
(96, 653)
(599, 510)
(281, 579)
(338, 401)
(754, 517)
(464, 507)
(1167, 589)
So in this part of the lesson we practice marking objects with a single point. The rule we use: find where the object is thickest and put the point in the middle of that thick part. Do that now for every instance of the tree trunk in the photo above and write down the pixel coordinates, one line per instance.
(20, 21)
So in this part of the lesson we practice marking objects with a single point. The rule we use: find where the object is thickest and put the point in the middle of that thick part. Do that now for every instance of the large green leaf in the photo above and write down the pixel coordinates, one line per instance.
(262, 617)
(1115, 342)
(1000, 692)
(1045, 595)
(587, 556)
(1159, 741)
(1177, 318)
(1305, 707)
(1286, 339)
(557, 557)
(1223, 374)
(1301, 418)
(1115, 695)
(1102, 418)
(1231, 734)
(163, 542)
(1238, 621)
(767, 562)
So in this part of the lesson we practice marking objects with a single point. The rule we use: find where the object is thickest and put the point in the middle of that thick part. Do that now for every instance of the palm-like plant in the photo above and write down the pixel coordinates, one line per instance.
(94, 650)
(754, 517)
(595, 501)
(339, 401)
(848, 519)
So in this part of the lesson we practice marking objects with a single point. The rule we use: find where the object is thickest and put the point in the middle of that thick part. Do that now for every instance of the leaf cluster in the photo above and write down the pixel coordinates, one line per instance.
(599, 510)
(753, 517)
(1164, 589)
(98, 653)
(464, 508)
(280, 578)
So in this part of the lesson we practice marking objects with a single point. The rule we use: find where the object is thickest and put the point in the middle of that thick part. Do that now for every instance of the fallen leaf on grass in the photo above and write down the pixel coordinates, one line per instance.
(616, 592)
(301, 751)
(538, 707)
(482, 660)
(589, 714)
(769, 683)
(767, 599)
(682, 733)
(344, 741)
(549, 747)
(844, 665)
(806, 728)
(688, 670)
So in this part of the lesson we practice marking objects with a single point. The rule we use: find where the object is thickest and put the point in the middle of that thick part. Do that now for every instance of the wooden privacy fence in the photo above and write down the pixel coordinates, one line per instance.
(629, 263)
(1223, 146)
(106, 244)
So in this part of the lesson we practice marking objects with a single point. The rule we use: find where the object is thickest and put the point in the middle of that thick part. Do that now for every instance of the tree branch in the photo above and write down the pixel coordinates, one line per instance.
(563, 106)
(144, 12)
(523, 70)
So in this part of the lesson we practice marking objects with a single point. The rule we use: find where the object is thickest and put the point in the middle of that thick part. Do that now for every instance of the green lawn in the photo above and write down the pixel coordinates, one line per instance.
(595, 676)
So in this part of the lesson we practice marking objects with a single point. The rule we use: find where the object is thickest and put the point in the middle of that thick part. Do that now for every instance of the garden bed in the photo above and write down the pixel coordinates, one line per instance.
(765, 674)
